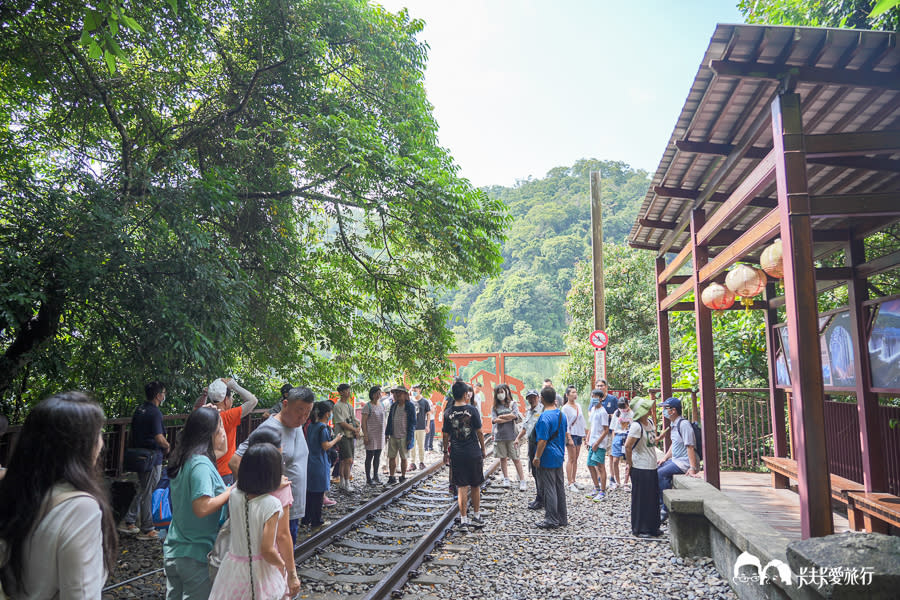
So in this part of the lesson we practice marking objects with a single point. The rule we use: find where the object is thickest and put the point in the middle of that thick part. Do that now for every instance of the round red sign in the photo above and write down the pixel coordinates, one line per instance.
(599, 339)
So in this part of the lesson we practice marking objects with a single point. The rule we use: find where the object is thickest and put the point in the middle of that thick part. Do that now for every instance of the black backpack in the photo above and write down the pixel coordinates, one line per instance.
(698, 439)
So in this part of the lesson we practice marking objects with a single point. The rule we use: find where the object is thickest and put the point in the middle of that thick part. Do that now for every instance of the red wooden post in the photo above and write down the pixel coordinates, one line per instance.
(802, 318)
(662, 321)
(874, 467)
(776, 395)
(705, 359)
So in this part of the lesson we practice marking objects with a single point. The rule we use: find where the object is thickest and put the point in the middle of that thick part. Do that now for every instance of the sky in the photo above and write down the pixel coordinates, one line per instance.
(522, 86)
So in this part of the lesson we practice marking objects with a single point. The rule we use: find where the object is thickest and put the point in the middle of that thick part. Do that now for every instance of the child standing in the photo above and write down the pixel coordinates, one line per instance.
(319, 440)
(253, 567)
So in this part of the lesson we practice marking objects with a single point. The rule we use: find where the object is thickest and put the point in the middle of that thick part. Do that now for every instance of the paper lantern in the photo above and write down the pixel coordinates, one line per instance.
(746, 282)
(717, 297)
(771, 260)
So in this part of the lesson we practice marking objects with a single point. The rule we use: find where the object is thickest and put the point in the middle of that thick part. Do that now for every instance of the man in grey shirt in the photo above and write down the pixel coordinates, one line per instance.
(289, 422)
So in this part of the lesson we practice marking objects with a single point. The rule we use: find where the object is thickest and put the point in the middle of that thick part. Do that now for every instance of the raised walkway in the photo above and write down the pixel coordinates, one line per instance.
(778, 508)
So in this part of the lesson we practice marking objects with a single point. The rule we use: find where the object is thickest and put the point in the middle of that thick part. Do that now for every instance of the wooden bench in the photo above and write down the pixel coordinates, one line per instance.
(878, 510)
(785, 469)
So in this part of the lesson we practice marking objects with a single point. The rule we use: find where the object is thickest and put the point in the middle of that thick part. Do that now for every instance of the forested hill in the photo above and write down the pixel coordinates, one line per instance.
(522, 310)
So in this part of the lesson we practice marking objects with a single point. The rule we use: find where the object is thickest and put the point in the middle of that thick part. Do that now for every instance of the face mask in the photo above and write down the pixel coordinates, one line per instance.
(501, 396)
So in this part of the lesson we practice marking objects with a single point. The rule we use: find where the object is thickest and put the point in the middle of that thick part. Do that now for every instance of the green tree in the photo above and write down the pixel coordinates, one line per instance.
(549, 234)
(258, 187)
(854, 14)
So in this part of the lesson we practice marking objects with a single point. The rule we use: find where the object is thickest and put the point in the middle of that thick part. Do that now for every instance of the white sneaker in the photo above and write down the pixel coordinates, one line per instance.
(572, 487)
(505, 483)
(580, 486)
(522, 485)
(611, 487)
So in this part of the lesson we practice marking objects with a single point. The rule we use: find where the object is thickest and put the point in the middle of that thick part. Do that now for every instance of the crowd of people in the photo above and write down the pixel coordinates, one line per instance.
(237, 508)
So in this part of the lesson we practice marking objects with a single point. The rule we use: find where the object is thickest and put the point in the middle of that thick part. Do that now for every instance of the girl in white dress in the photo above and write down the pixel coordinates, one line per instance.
(253, 568)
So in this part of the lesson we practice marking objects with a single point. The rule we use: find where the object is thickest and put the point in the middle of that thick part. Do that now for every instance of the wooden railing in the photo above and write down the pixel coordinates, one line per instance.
(745, 430)
(117, 437)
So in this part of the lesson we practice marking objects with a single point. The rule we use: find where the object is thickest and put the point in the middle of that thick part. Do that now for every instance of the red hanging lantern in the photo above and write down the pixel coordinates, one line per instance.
(746, 282)
(717, 297)
(771, 260)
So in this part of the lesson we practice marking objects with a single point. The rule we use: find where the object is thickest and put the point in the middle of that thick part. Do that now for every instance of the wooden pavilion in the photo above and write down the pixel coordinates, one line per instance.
(794, 133)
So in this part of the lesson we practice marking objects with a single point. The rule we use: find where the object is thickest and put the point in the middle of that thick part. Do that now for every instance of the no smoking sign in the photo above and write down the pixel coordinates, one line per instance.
(599, 339)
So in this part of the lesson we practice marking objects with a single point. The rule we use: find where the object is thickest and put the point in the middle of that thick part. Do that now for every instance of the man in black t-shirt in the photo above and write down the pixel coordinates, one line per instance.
(147, 432)
(463, 436)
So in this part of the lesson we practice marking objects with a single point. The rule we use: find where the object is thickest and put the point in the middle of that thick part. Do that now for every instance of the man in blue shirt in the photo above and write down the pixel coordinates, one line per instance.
(681, 456)
(550, 431)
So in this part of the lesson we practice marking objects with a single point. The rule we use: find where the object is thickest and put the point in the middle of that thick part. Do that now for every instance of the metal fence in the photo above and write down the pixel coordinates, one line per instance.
(744, 424)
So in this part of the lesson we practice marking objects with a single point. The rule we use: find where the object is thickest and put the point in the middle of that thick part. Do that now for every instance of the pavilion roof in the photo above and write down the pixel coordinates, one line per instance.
(848, 81)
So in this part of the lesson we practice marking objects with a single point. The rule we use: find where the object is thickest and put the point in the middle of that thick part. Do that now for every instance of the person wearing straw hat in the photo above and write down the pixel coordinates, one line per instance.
(640, 456)
(399, 432)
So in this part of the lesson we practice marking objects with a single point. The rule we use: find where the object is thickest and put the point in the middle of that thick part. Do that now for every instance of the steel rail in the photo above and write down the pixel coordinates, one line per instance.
(330, 534)
(404, 569)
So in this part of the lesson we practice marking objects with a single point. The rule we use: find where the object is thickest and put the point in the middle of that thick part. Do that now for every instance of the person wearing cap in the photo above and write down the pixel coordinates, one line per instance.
(221, 393)
(640, 456)
(399, 432)
(681, 457)
(529, 421)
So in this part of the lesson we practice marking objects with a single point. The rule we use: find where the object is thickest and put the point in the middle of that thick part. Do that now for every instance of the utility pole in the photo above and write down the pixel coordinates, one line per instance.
(597, 250)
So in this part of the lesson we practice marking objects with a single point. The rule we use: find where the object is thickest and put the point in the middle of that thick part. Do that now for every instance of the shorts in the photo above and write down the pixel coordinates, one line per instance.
(577, 440)
(596, 457)
(618, 445)
(466, 471)
(397, 446)
(346, 447)
(506, 449)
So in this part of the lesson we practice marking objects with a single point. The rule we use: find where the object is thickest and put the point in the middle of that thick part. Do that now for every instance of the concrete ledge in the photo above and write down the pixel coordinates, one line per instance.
(705, 522)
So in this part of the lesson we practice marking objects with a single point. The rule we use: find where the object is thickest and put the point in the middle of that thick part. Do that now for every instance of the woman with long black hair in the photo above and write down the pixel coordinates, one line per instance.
(198, 498)
(55, 519)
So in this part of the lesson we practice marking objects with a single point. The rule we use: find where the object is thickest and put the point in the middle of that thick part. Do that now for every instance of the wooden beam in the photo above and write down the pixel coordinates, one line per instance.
(677, 279)
(759, 178)
(718, 197)
(879, 265)
(807, 387)
(722, 172)
(758, 70)
(654, 224)
(887, 165)
(776, 395)
(718, 149)
(833, 273)
(673, 266)
(680, 292)
(824, 145)
(821, 287)
(706, 366)
(689, 306)
(871, 445)
(848, 205)
(662, 321)
(761, 232)
(639, 246)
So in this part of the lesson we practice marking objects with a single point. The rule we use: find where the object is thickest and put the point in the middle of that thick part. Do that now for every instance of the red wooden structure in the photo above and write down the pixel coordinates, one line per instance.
(792, 133)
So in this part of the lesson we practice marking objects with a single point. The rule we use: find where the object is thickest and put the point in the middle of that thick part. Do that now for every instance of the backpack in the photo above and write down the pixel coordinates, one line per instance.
(698, 439)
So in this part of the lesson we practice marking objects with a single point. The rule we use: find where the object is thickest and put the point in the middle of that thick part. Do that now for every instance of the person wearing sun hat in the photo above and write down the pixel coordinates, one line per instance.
(640, 456)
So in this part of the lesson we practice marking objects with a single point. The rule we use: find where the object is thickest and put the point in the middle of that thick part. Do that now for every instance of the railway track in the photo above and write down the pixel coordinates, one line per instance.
(372, 552)
(382, 541)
